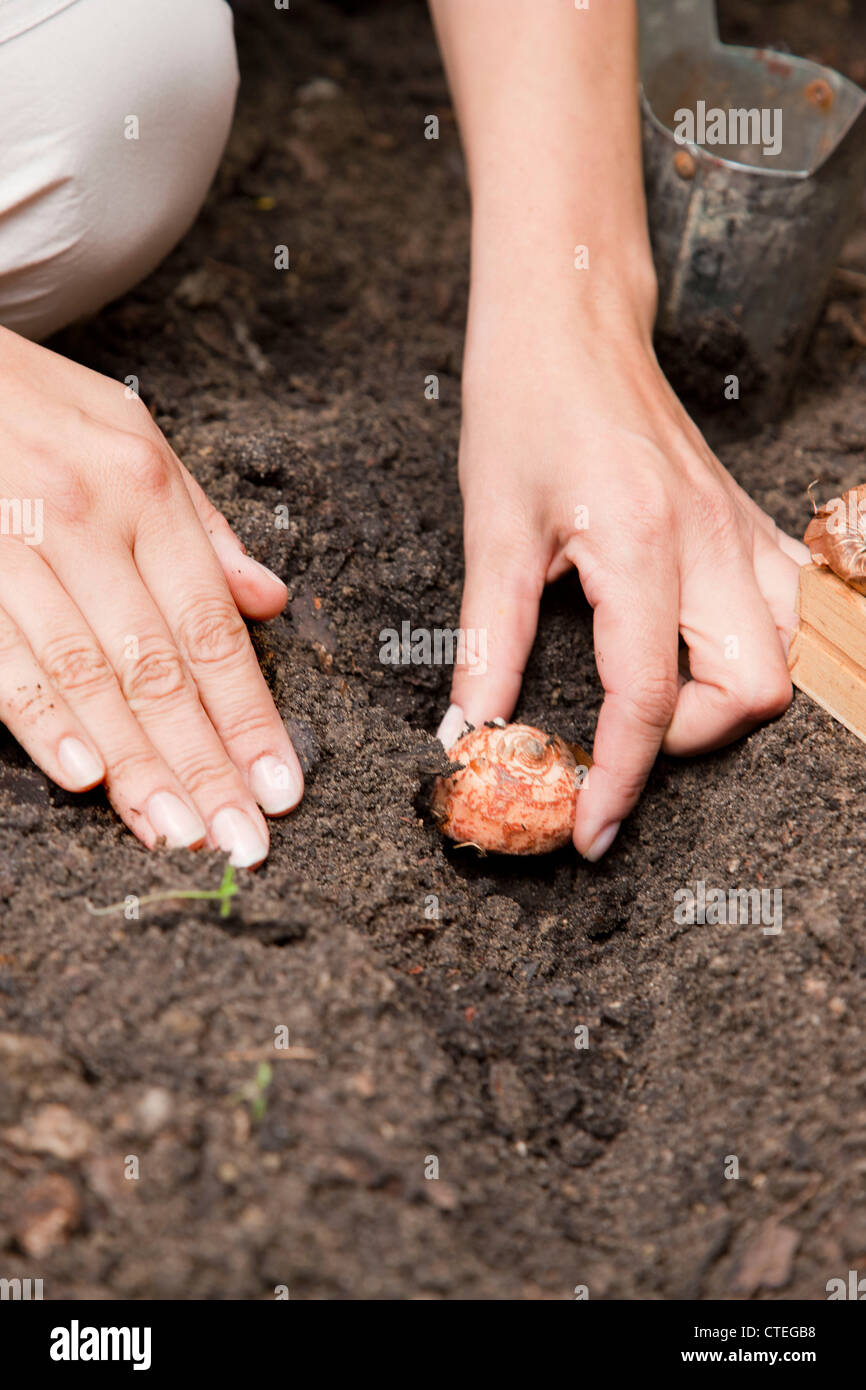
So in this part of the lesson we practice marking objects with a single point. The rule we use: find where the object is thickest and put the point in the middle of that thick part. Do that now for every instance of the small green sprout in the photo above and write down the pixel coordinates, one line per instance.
(223, 895)
(259, 1095)
(255, 1093)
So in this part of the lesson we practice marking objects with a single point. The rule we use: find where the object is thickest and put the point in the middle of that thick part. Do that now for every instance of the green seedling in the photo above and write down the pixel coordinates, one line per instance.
(259, 1094)
(255, 1092)
(223, 895)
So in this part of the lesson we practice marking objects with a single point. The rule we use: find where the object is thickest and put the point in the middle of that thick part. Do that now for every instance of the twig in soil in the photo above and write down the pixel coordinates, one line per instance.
(838, 313)
(223, 895)
(851, 279)
(254, 355)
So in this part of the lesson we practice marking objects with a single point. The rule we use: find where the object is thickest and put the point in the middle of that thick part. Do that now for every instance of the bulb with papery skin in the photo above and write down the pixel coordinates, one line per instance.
(836, 536)
(515, 793)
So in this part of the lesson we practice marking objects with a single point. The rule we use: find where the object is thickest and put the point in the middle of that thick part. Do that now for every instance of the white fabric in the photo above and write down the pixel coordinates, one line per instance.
(85, 211)
(18, 15)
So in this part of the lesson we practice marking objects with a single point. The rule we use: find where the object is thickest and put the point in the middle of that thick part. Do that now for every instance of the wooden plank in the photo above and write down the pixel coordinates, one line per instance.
(834, 609)
(829, 677)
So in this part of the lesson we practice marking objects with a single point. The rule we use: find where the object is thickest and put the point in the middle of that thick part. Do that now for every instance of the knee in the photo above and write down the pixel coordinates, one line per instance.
(125, 151)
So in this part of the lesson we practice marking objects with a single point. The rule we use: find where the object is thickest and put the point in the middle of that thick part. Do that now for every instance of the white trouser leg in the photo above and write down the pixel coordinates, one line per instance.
(113, 118)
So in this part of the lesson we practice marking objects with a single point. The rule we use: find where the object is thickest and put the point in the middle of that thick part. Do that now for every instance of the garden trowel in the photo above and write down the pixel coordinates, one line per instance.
(754, 166)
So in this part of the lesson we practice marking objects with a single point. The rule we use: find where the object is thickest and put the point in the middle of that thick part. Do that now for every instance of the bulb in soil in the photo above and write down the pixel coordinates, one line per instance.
(515, 793)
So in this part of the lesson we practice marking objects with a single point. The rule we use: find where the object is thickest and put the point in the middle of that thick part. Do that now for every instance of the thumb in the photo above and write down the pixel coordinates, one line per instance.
(257, 591)
(498, 621)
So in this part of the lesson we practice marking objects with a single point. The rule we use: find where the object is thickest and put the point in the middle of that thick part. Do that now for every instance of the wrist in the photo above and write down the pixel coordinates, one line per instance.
(548, 323)
(534, 274)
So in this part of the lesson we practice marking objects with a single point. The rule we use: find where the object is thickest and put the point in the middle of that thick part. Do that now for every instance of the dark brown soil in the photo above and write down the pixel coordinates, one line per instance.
(413, 1037)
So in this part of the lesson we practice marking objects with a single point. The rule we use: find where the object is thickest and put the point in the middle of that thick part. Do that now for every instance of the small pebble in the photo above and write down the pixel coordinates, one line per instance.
(154, 1110)
(816, 989)
(318, 89)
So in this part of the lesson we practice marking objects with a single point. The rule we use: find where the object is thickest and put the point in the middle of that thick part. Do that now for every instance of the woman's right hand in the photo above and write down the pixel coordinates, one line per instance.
(576, 452)
(124, 657)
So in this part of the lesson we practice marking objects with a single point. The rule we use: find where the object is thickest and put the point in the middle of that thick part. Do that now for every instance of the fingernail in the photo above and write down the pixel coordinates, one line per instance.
(276, 785)
(602, 842)
(451, 727)
(245, 561)
(235, 833)
(79, 764)
(174, 821)
(270, 573)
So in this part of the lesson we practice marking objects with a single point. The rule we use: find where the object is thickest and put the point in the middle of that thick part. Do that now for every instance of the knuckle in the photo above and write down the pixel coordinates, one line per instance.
(10, 637)
(138, 409)
(652, 697)
(212, 632)
(766, 698)
(70, 498)
(148, 465)
(77, 666)
(157, 674)
(130, 767)
(715, 519)
(253, 724)
(649, 527)
(654, 508)
(630, 782)
(203, 773)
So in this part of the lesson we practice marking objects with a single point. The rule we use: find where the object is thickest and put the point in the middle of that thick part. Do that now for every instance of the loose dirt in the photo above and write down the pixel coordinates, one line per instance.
(418, 1039)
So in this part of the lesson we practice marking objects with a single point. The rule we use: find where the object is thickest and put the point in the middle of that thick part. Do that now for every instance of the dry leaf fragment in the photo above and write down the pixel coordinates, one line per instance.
(52, 1130)
(49, 1210)
(767, 1261)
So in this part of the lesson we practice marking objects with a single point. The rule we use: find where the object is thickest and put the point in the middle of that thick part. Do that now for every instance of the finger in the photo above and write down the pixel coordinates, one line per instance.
(257, 591)
(37, 716)
(793, 548)
(778, 576)
(146, 795)
(739, 674)
(161, 691)
(498, 620)
(189, 590)
(636, 640)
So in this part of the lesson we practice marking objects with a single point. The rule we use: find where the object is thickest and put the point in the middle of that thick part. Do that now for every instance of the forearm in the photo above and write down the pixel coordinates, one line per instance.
(546, 97)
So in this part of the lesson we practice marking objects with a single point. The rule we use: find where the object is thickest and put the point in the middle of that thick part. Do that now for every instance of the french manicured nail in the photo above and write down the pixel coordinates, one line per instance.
(235, 833)
(174, 821)
(276, 785)
(602, 842)
(451, 727)
(79, 764)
